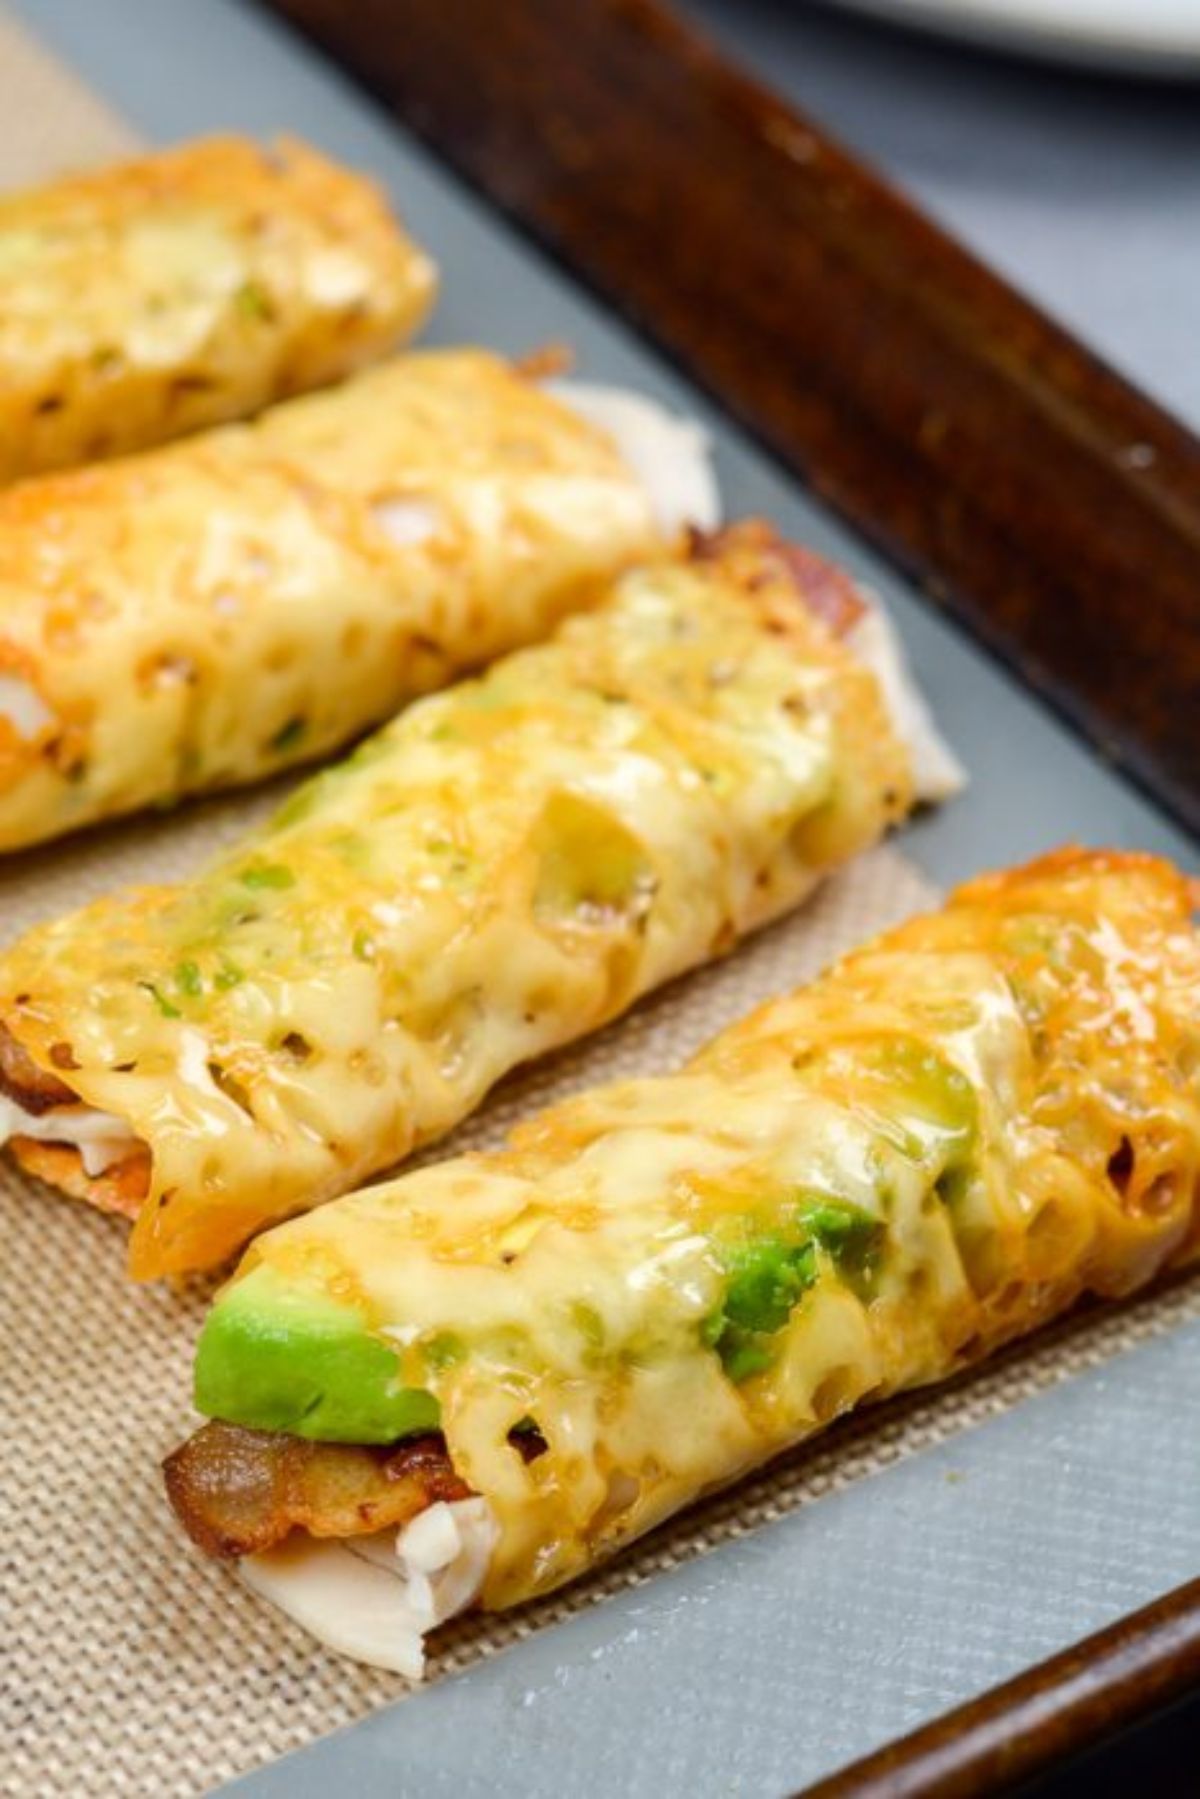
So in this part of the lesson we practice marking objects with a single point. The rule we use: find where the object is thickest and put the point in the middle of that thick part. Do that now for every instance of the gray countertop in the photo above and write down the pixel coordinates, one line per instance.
(1083, 189)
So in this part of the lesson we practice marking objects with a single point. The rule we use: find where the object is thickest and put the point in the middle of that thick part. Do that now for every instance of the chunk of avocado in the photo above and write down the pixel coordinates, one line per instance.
(930, 1108)
(851, 1237)
(275, 1357)
(767, 1279)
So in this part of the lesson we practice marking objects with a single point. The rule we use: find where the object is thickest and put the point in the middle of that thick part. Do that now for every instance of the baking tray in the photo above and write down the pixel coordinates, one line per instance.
(774, 1661)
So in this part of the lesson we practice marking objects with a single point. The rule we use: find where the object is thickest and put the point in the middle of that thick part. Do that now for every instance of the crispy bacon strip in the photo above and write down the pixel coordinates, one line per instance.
(239, 1491)
(21, 1078)
(119, 1189)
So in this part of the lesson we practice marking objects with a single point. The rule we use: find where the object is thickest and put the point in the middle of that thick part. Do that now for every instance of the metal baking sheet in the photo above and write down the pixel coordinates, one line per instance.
(779, 1658)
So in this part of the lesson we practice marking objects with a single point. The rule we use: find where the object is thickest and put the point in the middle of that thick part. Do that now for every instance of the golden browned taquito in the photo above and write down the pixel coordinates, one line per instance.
(212, 612)
(189, 287)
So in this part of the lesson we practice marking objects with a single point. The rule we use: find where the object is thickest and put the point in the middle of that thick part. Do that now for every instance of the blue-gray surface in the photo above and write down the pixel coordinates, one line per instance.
(1084, 189)
(777, 1659)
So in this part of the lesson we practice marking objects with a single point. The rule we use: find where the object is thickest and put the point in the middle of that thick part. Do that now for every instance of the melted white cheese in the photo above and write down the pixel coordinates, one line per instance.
(374, 1598)
(405, 519)
(23, 706)
(670, 456)
(100, 1138)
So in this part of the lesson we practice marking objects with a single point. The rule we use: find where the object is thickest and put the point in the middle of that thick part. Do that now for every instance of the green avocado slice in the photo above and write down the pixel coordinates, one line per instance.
(767, 1278)
(274, 1357)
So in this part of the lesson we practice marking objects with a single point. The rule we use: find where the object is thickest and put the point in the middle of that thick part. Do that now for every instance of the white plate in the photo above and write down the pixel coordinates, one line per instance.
(1144, 36)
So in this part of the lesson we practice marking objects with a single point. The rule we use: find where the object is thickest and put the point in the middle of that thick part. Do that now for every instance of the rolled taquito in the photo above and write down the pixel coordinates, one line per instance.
(189, 287)
(476, 1382)
(505, 867)
(215, 611)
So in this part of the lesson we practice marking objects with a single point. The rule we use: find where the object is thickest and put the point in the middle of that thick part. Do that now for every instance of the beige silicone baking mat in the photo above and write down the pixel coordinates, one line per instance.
(129, 1666)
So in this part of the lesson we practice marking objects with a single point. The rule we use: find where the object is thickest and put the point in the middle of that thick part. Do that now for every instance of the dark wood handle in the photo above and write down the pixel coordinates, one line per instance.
(1102, 1683)
(1037, 496)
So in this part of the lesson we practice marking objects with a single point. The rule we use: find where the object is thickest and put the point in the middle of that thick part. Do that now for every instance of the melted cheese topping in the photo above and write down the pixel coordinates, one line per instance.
(376, 1598)
(507, 866)
(147, 300)
(957, 1131)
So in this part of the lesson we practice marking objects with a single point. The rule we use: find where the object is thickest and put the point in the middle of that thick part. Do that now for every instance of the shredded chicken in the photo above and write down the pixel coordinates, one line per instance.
(376, 1598)
(238, 1492)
